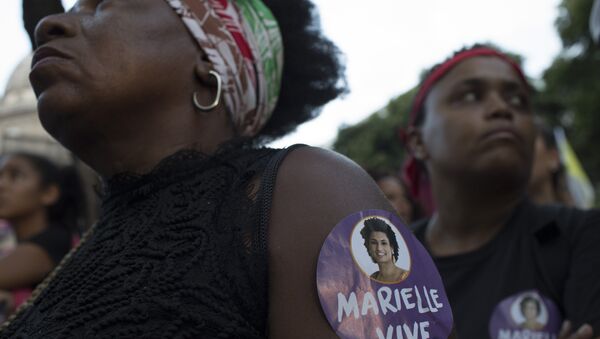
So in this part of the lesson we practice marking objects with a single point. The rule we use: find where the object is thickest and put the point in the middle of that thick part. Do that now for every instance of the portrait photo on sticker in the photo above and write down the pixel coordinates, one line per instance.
(529, 312)
(380, 251)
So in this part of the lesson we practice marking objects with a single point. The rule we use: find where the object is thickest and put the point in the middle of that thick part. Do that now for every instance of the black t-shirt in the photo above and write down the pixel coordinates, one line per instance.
(55, 240)
(554, 251)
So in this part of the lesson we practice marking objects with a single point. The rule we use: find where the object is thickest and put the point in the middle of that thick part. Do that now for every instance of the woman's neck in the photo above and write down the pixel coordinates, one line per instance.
(469, 215)
(27, 226)
(138, 148)
(543, 193)
(387, 269)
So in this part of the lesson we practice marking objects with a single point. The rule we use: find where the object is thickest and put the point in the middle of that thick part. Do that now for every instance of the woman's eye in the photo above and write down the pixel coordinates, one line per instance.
(516, 100)
(469, 97)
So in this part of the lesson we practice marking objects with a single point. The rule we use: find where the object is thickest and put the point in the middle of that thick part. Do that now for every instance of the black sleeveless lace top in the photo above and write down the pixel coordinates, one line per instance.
(177, 253)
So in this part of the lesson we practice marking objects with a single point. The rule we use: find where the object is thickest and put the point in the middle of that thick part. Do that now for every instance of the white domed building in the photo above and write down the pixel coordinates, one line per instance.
(20, 128)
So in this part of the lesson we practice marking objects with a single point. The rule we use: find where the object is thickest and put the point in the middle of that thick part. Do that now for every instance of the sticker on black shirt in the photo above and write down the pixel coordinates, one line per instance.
(526, 315)
(375, 280)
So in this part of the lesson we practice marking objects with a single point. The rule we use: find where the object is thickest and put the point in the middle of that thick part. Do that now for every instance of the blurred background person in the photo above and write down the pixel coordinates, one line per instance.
(548, 182)
(7, 238)
(7, 244)
(44, 205)
(395, 191)
(472, 134)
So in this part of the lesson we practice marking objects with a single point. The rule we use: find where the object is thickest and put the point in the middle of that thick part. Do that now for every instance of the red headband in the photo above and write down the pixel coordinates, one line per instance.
(444, 68)
(417, 182)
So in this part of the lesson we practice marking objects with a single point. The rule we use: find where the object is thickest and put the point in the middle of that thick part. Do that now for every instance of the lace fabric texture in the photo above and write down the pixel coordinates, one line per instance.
(175, 254)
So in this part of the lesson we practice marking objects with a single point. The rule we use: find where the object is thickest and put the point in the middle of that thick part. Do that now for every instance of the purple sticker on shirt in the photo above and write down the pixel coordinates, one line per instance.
(526, 315)
(375, 280)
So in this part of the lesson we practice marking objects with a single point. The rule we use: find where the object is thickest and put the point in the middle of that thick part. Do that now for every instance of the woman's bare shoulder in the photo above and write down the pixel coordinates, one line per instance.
(315, 189)
(331, 180)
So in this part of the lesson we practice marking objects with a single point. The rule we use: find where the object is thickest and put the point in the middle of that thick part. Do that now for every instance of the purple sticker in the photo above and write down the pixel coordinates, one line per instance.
(526, 315)
(375, 280)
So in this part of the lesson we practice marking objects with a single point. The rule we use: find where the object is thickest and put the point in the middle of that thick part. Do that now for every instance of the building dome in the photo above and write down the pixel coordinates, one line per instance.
(19, 96)
(21, 130)
(20, 127)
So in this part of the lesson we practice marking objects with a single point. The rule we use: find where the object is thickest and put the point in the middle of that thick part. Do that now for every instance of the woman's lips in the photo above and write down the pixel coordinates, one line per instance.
(505, 133)
(44, 55)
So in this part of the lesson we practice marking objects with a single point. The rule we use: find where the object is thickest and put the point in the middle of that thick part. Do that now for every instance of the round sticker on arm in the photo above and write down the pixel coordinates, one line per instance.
(525, 315)
(375, 280)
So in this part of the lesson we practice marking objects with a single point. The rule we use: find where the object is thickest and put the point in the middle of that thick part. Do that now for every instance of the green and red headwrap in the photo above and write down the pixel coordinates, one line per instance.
(243, 42)
(412, 173)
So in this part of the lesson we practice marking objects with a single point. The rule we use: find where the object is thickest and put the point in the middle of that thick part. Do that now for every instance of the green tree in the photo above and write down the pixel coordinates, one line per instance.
(374, 143)
(571, 92)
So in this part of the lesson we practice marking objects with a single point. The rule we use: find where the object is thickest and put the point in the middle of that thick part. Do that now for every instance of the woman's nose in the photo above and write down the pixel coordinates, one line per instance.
(54, 27)
(498, 108)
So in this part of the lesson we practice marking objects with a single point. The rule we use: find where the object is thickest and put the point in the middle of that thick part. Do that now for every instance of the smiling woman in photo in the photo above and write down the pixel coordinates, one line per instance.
(382, 246)
(531, 309)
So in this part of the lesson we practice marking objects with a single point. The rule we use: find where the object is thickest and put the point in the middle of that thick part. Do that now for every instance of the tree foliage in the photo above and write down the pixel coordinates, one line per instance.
(375, 143)
(571, 94)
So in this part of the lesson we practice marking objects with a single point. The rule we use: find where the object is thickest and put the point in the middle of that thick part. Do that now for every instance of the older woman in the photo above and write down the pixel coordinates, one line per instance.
(471, 137)
(167, 101)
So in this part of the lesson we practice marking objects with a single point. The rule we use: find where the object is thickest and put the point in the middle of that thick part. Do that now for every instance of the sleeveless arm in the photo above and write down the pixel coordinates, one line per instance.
(315, 189)
(27, 265)
(33, 259)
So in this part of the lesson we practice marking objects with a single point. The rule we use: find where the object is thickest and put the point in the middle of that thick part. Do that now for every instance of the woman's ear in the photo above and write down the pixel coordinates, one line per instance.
(248, 127)
(202, 72)
(50, 195)
(415, 144)
(206, 96)
(554, 160)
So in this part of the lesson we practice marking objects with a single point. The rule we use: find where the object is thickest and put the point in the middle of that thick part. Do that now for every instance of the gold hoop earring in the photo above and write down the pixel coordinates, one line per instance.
(217, 100)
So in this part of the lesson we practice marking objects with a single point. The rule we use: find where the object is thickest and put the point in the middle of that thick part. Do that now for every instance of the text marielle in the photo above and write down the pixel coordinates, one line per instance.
(422, 300)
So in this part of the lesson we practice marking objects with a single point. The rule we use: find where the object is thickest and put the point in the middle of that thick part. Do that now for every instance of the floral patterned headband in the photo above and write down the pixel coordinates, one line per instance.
(243, 41)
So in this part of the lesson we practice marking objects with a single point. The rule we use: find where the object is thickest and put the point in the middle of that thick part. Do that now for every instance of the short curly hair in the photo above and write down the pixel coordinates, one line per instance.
(313, 69)
(378, 225)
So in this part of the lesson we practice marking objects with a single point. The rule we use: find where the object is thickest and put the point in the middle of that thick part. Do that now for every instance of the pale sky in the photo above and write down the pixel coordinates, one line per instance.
(387, 43)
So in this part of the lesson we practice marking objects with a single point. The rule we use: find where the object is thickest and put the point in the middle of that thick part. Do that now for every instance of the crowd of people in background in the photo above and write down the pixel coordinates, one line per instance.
(483, 187)
(42, 206)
